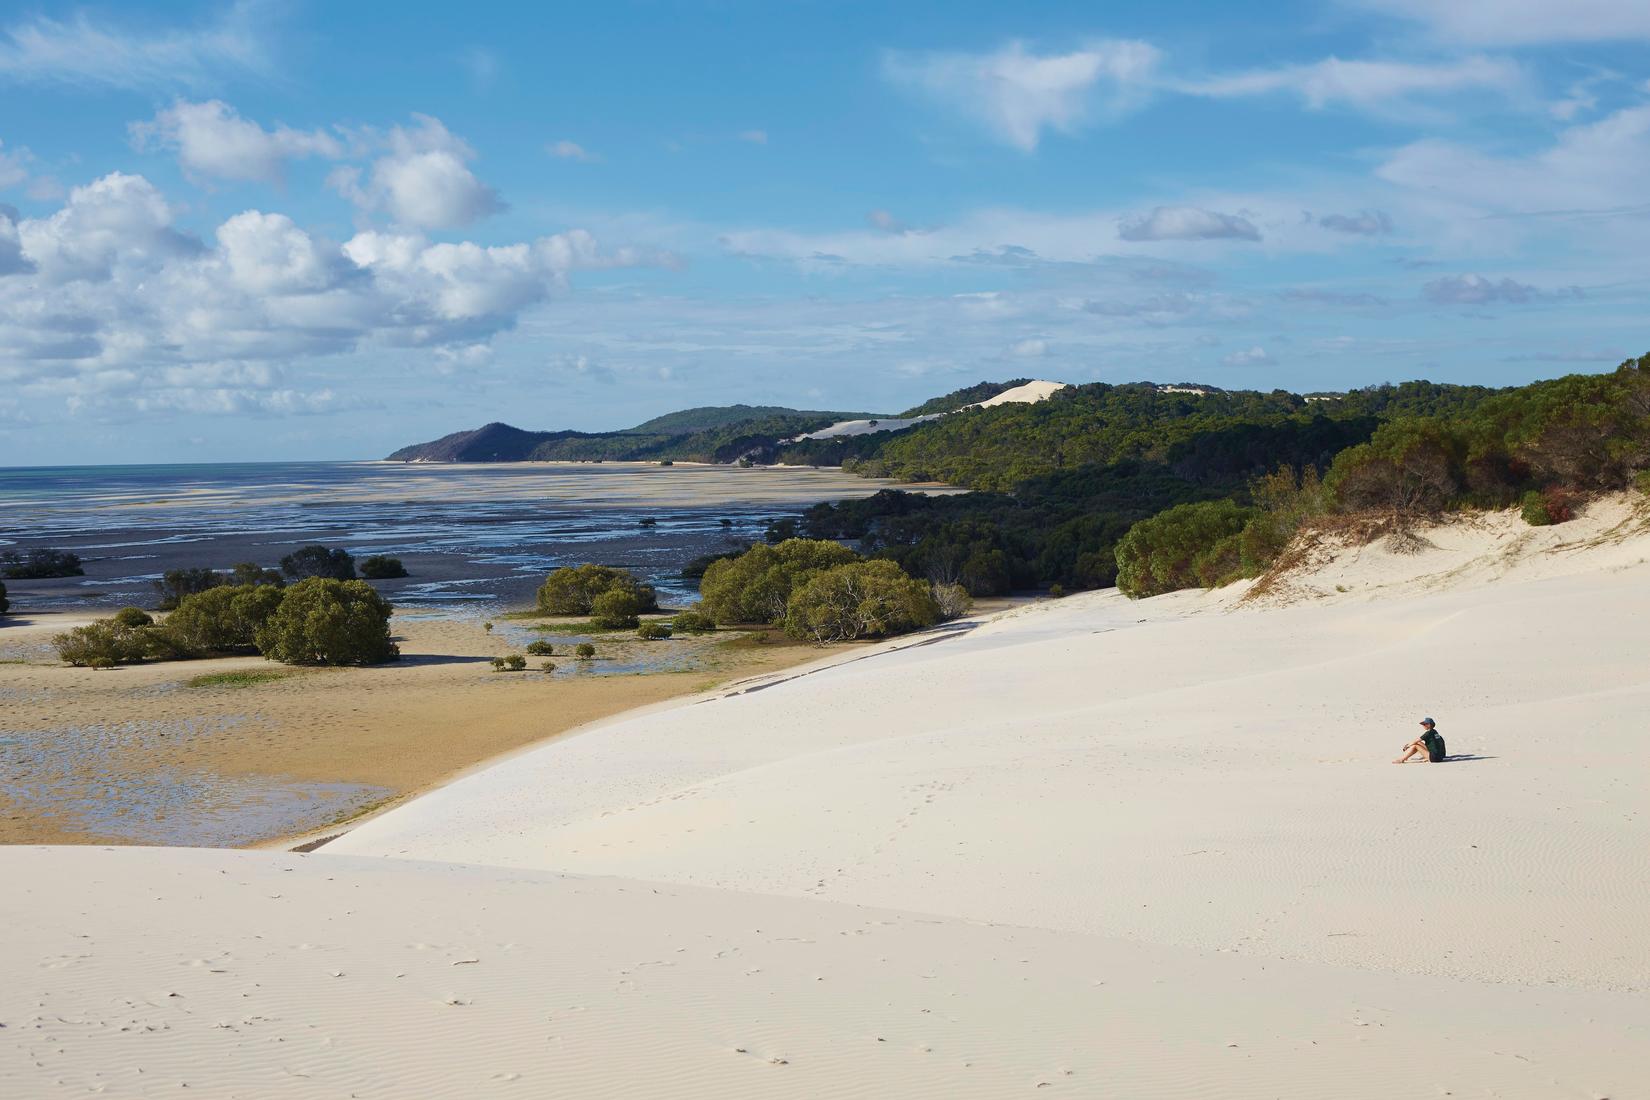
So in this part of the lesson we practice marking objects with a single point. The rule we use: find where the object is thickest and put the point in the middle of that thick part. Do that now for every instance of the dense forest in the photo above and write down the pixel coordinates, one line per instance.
(1218, 481)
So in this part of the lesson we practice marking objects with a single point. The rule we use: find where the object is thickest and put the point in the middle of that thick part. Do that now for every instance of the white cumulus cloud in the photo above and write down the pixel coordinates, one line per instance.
(213, 140)
(422, 181)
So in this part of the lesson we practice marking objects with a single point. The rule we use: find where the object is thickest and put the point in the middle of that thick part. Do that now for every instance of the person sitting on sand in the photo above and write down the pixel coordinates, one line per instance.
(1430, 742)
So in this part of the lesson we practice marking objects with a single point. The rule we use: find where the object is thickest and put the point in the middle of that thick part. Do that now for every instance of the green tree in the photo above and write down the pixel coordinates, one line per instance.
(5, 604)
(574, 589)
(107, 642)
(380, 567)
(616, 609)
(175, 584)
(862, 599)
(318, 561)
(323, 621)
(249, 572)
(693, 622)
(1188, 546)
(223, 619)
(756, 586)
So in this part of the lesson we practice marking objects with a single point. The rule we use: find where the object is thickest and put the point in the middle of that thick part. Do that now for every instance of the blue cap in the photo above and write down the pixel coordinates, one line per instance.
(1428, 722)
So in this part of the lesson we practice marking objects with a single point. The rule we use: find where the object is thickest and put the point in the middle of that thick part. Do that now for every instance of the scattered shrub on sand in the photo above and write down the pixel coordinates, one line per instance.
(242, 679)
(318, 561)
(574, 589)
(1188, 546)
(322, 621)
(40, 564)
(584, 651)
(498, 664)
(653, 632)
(515, 662)
(756, 586)
(175, 584)
(1542, 508)
(106, 643)
(132, 617)
(862, 599)
(5, 604)
(540, 649)
(1285, 500)
(616, 609)
(382, 568)
(1057, 591)
(692, 622)
(953, 601)
(548, 666)
(224, 619)
(250, 572)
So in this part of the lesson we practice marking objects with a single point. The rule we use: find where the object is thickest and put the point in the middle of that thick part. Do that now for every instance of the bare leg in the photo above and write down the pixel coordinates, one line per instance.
(1409, 750)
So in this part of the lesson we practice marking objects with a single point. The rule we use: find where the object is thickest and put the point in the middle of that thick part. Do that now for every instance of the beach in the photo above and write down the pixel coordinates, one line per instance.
(1087, 847)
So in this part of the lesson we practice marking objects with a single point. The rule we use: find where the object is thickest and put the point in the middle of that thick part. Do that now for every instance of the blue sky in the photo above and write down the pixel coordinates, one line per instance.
(305, 230)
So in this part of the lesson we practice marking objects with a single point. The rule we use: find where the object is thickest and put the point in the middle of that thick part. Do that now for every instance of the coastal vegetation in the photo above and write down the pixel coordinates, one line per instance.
(5, 604)
(176, 584)
(380, 567)
(653, 631)
(861, 599)
(318, 561)
(318, 621)
(693, 622)
(40, 565)
(575, 590)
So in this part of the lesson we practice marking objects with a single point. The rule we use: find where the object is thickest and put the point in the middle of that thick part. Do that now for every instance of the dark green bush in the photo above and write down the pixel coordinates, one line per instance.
(318, 561)
(863, 599)
(616, 609)
(515, 662)
(1057, 590)
(693, 622)
(382, 568)
(574, 589)
(1546, 507)
(323, 621)
(540, 649)
(132, 617)
(1641, 480)
(584, 651)
(5, 604)
(175, 584)
(1188, 546)
(652, 632)
(756, 586)
(40, 564)
(498, 664)
(548, 666)
(223, 619)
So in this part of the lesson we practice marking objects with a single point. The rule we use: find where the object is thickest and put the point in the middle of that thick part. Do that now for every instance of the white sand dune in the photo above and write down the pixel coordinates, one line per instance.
(1094, 847)
(1028, 394)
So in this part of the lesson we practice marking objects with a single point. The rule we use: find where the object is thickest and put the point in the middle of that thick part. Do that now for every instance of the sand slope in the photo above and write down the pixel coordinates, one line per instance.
(1091, 847)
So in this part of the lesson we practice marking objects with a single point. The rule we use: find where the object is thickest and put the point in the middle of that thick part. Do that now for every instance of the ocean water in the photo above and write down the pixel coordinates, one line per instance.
(473, 536)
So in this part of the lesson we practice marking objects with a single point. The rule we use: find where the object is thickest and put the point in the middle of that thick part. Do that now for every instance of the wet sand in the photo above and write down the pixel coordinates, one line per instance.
(137, 755)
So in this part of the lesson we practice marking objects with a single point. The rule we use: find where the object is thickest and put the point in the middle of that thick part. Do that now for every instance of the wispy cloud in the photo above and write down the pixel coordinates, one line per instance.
(89, 50)
(1369, 85)
(1522, 22)
(1019, 94)
(571, 150)
(1186, 223)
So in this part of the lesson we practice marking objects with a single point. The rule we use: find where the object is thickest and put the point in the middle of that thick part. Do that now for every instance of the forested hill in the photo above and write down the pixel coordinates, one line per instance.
(719, 433)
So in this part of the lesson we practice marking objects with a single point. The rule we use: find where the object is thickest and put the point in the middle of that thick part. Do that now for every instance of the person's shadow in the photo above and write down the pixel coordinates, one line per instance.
(1453, 757)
